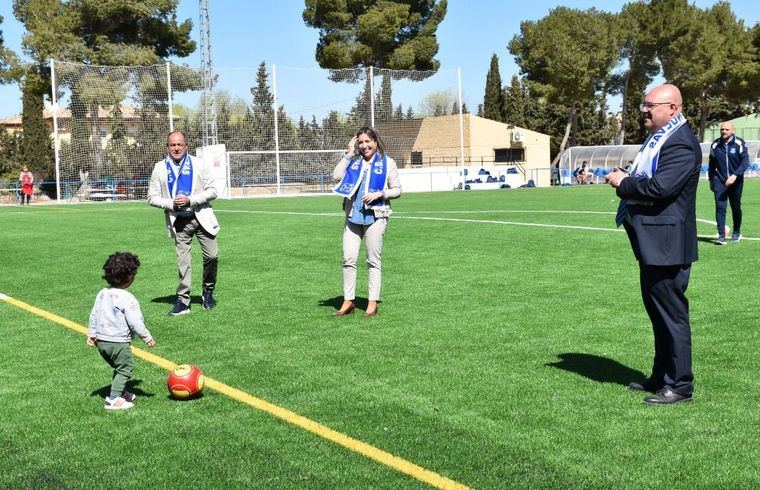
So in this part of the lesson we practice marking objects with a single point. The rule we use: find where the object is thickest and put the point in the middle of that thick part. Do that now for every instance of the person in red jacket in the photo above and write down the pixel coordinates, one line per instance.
(26, 182)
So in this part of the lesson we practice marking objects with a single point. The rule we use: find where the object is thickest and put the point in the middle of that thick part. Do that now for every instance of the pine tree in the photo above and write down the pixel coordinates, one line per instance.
(515, 103)
(569, 56)
(223, 119)
(391, 34)
(493, 100)
(36, 150)
(262, 112)
(383, 100)
(398, 114)
(10, 148)
(117, 147)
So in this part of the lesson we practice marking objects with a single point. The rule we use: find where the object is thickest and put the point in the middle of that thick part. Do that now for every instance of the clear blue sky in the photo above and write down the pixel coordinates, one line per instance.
(244, 33)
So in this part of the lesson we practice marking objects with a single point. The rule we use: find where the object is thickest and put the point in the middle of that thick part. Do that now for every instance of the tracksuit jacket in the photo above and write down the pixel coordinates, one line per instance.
(728, 158)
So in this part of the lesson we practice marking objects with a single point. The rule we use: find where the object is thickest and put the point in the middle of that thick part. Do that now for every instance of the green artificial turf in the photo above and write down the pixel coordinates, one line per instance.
(510, 323)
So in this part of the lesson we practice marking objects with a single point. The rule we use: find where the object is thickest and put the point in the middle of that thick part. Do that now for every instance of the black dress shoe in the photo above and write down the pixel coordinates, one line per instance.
(666, 396)
(645, 386)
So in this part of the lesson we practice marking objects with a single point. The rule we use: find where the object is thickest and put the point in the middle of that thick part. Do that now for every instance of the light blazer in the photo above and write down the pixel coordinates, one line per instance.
(662, 209)
(392, 188)
(202, 193)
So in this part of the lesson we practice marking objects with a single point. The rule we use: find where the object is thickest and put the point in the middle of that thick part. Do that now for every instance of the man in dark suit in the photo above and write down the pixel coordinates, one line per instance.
(659, 215)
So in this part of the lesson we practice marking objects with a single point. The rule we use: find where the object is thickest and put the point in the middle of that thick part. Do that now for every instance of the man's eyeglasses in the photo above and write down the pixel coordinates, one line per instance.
(648, 106)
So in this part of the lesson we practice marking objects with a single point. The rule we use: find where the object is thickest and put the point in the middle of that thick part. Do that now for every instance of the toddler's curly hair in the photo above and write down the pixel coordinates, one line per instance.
(120, 268)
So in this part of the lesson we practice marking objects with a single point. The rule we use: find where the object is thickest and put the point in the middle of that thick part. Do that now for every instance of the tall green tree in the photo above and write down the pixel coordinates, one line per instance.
(117, 147)
(105, 32)
(568, 56)
(10, 71)
(710, 57)
(383, 99)
(516, 100)
(639, 55)
(36, 149)
(10, 68)
(262, 111)
(493, 100)
(392, 34)
(10, 145)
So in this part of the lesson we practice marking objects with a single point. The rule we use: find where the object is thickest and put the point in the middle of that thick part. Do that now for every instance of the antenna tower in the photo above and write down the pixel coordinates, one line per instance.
(207, 71)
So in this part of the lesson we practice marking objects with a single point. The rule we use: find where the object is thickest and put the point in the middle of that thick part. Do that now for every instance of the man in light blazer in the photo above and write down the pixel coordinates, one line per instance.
(183, 187)
(659, 215)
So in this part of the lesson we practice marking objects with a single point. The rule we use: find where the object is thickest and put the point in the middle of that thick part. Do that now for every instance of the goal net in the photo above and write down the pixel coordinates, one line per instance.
(284, 129)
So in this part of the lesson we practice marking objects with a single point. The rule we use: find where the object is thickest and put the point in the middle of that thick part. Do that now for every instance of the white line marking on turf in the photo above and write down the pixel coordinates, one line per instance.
(400, 215)
(514, 223)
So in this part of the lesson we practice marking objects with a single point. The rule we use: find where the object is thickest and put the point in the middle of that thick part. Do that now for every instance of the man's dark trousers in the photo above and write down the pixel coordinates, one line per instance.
(724, 195)
(663, 289)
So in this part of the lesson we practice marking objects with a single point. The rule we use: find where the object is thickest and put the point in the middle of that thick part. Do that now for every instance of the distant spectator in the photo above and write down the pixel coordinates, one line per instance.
(555, 180)
(584, 175)
(26, 182)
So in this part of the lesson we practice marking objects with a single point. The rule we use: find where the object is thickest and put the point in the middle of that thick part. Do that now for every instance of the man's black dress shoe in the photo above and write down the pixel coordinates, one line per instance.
(666, 396)
(645, 386)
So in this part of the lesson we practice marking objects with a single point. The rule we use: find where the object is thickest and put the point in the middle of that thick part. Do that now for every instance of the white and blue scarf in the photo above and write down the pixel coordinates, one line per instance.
(645, 164)
(181, 182)
(352, 178)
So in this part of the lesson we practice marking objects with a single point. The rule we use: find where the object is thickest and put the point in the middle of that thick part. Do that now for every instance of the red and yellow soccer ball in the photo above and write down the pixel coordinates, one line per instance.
(185, 381)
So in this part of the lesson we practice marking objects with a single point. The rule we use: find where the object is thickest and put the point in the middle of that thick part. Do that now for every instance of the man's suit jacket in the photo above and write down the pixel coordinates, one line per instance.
(662, 224)
(202, 193)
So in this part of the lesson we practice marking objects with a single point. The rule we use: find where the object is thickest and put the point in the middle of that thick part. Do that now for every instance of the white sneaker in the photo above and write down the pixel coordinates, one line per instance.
(130, 397)
(118, 403)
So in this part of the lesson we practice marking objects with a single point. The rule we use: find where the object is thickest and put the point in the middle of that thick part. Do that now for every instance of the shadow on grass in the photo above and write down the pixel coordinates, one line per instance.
(705, 239)
(359, 303)
(170, 300)
(104, 391)
(597, 368)
(184, 400)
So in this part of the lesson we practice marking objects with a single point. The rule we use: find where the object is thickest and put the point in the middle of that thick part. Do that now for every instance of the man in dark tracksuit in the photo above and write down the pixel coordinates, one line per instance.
(729, 160)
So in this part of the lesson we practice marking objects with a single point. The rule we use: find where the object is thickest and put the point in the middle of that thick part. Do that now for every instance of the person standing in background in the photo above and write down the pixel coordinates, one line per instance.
(729, 159)
(26, 182)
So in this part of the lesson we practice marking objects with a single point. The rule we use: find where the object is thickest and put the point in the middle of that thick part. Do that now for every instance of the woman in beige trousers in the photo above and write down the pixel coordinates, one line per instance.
(368, 181)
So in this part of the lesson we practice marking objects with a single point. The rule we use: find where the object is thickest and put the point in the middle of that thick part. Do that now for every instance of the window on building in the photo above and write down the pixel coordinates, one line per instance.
(505, 155)
(416, 158)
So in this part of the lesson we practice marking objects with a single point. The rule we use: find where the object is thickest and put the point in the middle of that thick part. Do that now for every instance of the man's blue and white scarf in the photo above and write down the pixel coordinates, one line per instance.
(352, 178)
(645, 164)
(181, 182)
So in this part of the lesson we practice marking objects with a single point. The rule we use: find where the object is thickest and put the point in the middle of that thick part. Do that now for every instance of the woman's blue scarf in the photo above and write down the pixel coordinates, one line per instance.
(377, 177)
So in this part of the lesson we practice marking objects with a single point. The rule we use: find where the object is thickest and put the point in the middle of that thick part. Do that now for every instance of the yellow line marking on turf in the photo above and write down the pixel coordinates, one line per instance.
(371, 452)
